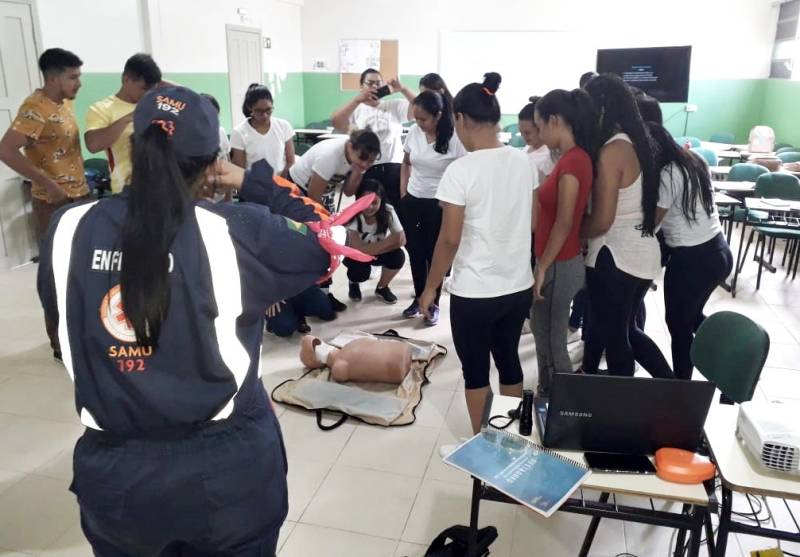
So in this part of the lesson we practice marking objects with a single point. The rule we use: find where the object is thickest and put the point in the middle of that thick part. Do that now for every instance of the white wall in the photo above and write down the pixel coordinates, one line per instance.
(189, 35)
(102, 33)
(730, 38)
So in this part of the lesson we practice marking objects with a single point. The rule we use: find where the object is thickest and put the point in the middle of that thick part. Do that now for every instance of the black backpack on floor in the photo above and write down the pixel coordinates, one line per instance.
(459, 537)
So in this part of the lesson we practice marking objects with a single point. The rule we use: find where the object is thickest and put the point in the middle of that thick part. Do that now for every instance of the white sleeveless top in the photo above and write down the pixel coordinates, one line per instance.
(633, 253)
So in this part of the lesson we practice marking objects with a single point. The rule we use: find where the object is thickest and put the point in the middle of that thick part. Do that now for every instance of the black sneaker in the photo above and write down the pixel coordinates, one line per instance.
(355, 292)
(336, 304)
(57, 356)
(303, 327)
(386, 295)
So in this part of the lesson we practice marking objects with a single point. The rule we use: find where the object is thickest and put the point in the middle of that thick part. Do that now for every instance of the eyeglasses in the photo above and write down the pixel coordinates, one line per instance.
(373, 82)
(265, 111)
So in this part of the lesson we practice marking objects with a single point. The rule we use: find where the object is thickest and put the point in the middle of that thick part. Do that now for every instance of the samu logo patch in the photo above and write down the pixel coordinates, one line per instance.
(168, 104)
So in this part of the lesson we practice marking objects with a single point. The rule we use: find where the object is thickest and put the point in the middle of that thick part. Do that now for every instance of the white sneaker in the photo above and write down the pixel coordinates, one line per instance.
(576, 356)
(526, 327)
(447, 450)
(573, 336)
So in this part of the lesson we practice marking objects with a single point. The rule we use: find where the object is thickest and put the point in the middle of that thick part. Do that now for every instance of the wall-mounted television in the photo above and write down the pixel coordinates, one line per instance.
(661, 72)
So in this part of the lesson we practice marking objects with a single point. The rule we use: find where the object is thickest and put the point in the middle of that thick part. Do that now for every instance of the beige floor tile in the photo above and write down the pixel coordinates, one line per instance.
(286, 531)
(304, 479)
(399, 450)
(405, 549)
(364, 501)
(306, 540)
(305, 441)
(29, 443)
(438, 470)
(72, 544)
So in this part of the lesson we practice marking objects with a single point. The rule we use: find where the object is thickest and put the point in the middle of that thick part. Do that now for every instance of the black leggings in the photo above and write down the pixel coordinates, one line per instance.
(692, 275)
(359, 272)
(423, 219)
(614, 298)
(483, 326)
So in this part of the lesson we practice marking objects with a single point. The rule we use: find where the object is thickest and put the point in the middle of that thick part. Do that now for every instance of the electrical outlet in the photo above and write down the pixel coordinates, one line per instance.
(318, 64)
(267, 42)
(690, 108)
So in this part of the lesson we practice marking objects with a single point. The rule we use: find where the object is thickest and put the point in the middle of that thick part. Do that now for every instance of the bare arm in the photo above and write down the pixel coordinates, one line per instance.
(341, 118)
(10, 145)
(289, 154)
(660, 214)
(604, 194)
(103, 138)
(391, 243)
(316, 187)
(239, 158)
(407, 93)
(447, 244)
(535, 211)
(353, 181)
(405, 173)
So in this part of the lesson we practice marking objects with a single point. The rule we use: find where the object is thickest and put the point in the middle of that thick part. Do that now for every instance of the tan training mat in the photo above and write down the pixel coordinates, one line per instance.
(374, 403)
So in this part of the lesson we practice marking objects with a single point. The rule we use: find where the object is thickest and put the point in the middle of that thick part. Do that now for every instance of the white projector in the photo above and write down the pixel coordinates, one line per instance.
(771, 431)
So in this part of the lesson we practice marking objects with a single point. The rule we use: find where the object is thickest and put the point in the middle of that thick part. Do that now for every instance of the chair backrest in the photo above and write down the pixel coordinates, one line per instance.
(790, 156)
(317, 126)
(746, 172)
(730, 350)
(722, 137)
(784, 148)
(517, 141)
(778, 184)
(302, 148)
(709, 155)
(512, 128)
(97, 165)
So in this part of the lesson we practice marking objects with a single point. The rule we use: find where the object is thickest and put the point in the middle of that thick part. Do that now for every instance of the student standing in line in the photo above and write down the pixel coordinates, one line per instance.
(699, 256)
(624, 256)
(434, 82)
(385, 118)
(376, 231)
(109, 122)
(431, 145)
(565, 122)
(537, 149)
(47, 132)
(342, 160)
(261, 135)
(487, 204)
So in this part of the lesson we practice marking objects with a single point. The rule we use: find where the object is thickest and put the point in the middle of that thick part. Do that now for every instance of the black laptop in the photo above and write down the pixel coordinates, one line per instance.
(630, 415)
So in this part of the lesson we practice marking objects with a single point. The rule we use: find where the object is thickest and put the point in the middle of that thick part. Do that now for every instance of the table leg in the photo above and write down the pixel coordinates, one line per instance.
(472, 544)
(696, 533)
(589, 538)
(680, 541)
(738, 259)
(724, 522)
(709, 526)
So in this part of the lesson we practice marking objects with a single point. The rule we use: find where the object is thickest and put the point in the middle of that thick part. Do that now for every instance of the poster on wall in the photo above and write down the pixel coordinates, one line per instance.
(357, 54)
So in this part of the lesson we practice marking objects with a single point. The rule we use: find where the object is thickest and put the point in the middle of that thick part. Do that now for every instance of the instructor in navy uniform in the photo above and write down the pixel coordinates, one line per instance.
(159, 300)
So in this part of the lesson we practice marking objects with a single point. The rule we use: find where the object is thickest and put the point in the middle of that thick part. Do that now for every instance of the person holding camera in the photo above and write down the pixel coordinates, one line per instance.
(385, 117)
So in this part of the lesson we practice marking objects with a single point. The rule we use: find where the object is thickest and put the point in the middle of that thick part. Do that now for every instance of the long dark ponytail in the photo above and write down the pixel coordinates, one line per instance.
(576, 109)
(620, 113)
(159, 200)
(435, 103)
(693, 170)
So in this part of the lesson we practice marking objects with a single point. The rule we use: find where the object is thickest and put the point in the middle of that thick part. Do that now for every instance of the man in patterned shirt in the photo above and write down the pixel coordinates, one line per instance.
(46, 130)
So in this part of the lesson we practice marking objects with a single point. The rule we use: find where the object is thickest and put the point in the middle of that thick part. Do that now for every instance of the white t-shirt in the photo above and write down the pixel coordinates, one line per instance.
(327, 158)
(679, 232)
(224, 144)
(495, 187)
(270, 146)
(386, 120)
(369, 232)
(543, 159)
(428, 166)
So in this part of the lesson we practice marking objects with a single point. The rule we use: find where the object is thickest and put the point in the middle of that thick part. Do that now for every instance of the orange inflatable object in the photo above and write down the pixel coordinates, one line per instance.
(683, 467)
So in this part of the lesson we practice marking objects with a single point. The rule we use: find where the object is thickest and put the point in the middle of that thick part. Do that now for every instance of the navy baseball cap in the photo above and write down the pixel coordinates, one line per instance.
(189, 119)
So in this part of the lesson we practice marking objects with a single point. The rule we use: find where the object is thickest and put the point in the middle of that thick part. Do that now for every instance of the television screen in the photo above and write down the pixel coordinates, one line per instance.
(661, 72)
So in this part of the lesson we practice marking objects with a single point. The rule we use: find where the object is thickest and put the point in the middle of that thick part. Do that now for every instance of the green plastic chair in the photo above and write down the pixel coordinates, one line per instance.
(98, 174)
(693, 141)
(791, 156)
(517, 141)
(746, 172)
(723, 137)
(709, 155)
(730, 350)
(784, 148)
(301, 148)
(317, 126)
(512, 129)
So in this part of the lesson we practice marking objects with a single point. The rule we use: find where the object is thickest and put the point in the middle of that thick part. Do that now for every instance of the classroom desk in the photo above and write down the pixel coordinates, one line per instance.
(741, 473)
(722, 200)
(778, 210)
(734, 187)
(696, 500)
(720, 171)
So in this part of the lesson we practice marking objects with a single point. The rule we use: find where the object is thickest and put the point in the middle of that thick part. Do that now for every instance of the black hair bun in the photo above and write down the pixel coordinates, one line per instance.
(253, 86)
(492, 81)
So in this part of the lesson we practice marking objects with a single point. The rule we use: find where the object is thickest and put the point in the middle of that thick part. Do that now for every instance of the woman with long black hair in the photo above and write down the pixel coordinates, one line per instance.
(624, 256)
(699, 257)
(435, 82)
(430, 147)
(159, 301)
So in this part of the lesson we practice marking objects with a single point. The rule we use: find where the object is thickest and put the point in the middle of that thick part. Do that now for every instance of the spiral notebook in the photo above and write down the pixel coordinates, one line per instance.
(539, 479)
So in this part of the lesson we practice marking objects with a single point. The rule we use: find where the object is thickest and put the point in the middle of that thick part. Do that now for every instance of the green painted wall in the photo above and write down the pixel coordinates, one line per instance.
(781, 109)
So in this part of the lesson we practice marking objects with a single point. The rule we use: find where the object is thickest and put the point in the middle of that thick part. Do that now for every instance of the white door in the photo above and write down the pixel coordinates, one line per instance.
(244, 65)
(19, 76)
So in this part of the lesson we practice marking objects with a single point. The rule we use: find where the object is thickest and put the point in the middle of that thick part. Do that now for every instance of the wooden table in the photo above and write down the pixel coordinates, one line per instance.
(741, 473)
(696, 499)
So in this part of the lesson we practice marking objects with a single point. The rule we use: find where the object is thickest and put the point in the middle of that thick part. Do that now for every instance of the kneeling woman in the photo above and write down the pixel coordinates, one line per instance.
(377, 232)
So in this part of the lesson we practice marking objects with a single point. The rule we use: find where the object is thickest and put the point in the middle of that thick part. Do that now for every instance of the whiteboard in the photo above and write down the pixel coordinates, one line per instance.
(530, 62)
